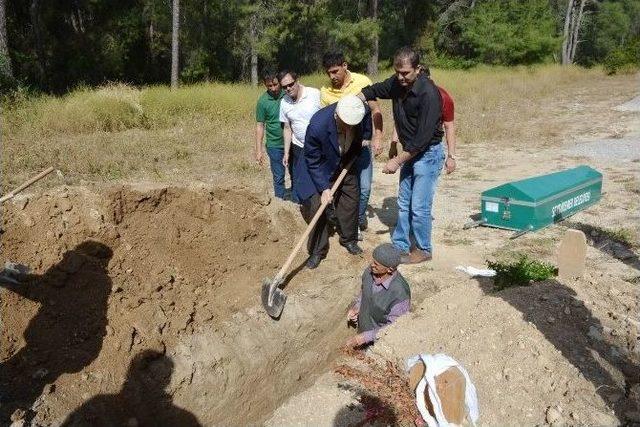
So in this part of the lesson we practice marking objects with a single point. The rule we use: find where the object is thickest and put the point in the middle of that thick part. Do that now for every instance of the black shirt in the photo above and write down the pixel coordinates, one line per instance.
(417, 112)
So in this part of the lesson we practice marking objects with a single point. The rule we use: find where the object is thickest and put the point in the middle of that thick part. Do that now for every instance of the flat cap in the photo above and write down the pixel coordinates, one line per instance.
(387, 255)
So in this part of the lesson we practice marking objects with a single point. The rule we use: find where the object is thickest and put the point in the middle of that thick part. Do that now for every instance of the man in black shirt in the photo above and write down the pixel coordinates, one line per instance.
(417, 111)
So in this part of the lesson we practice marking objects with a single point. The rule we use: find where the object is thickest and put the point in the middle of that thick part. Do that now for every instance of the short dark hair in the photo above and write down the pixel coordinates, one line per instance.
(268, 75)
(283, 73)
(407, 53)
(331, 59)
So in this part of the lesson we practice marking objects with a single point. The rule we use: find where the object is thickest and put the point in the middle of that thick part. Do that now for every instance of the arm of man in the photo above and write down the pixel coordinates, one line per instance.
(286, 136)
(450, 136)
(353, 312)
(367, 131)
(286, 133)
(398, 309)
(314, 159)
(428, 121)
(259, 154)
(393, 147)
(261, 117)
(376, 118)
(383, 90)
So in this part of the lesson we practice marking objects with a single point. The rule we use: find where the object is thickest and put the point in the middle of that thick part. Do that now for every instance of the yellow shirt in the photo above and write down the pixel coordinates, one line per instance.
(329, 95)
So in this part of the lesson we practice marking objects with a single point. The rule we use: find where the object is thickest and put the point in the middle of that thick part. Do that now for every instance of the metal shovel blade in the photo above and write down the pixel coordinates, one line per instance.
(278, 299)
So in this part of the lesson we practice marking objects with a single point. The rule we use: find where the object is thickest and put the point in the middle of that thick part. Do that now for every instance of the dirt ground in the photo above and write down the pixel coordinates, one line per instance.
(557, 352)
(142, 304)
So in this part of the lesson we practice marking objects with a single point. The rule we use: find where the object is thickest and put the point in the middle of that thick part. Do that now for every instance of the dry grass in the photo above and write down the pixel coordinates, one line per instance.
(119, 132)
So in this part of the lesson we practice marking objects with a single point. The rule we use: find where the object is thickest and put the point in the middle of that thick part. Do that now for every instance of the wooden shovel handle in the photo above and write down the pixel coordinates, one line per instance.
(312, 224)
(36, 178)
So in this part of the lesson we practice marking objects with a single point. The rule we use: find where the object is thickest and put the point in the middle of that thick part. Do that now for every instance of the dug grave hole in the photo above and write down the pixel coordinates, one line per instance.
(124, 271)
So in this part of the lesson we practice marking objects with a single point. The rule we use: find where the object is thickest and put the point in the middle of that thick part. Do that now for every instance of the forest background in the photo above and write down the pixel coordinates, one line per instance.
(60, 45)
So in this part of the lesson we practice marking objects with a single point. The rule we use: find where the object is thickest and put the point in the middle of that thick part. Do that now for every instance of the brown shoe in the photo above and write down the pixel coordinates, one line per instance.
(416, 256)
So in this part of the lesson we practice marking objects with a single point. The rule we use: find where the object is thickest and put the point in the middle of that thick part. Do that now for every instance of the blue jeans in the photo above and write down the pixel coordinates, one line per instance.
(364, 168)
(418, 179)
(277, 170)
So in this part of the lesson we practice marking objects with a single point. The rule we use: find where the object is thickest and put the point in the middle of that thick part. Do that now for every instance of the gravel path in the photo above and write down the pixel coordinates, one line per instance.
(622, 149)
(633, 105)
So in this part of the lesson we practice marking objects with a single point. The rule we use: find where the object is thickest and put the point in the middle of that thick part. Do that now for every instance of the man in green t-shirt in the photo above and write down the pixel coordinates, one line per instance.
(268, 123)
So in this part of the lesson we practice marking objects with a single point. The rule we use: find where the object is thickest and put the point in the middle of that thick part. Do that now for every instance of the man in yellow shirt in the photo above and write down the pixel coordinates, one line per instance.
(345, 82)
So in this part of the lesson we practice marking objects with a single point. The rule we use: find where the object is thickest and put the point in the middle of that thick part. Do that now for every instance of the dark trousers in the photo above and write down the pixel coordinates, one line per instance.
(295, 155)
(345, 200)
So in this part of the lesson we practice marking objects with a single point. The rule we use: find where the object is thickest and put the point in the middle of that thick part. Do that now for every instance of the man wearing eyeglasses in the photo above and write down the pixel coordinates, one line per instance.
(296, 108)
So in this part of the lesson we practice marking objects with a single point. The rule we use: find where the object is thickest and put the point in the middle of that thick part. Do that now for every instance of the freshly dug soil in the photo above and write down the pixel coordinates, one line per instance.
(145, 300)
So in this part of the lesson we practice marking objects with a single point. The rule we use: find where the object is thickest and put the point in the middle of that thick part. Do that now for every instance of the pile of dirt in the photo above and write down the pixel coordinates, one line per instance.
(124, 282)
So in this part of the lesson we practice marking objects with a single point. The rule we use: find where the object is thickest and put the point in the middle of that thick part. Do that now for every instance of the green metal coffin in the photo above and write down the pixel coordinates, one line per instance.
(534, 203)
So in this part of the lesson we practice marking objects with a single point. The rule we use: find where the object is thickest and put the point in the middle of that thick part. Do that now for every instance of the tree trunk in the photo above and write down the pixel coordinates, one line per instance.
(5, 60)
(253, 40)
(565, 33)
(34, 12)
(572, 23)
(372, 66)
(576, 31)
(174, 44)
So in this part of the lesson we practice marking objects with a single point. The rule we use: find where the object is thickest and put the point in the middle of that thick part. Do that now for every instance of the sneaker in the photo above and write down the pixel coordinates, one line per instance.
(416, 256)
(364, 224)
(360, 237)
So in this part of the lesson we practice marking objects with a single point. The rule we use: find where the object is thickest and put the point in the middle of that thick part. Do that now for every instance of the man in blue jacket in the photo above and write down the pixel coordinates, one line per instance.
(334, 137)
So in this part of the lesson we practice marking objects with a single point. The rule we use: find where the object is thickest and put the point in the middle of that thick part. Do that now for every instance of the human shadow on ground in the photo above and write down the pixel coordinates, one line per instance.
(606, 242)
(142, 400)
(572, 328)
(67, 332)
(388, 214)
(370, 411)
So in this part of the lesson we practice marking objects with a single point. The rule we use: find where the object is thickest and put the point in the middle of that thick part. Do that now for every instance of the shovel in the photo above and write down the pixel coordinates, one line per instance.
(36, 178)
(273, 299)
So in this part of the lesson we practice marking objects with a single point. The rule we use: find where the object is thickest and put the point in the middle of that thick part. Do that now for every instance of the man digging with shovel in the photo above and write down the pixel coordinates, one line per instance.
(333, 139)
(332, 142)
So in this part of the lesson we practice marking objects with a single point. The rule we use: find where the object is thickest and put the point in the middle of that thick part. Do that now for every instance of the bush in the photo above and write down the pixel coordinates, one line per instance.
(521, 272)
(623, 58)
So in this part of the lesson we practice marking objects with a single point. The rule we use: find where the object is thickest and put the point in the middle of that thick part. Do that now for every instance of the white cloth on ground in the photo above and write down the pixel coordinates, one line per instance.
(473, 272)
(436, 365)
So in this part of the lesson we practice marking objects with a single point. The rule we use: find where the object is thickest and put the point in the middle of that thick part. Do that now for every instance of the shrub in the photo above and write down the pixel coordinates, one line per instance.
(623, 58)
(521, 272)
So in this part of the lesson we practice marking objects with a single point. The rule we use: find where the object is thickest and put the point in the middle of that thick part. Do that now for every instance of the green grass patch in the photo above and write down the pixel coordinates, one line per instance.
(521, 272)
